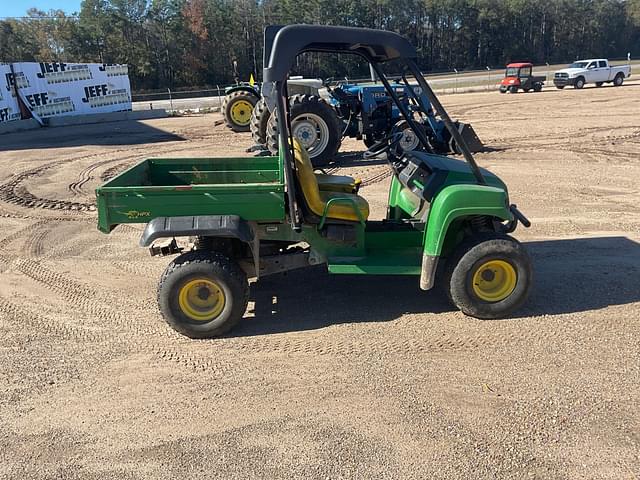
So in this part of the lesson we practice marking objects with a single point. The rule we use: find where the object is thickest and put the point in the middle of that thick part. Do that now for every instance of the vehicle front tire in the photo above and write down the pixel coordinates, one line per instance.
(619, 80)
(489, 276)
(237, 108)
(203, 294)
(579, 83)
(513, 89)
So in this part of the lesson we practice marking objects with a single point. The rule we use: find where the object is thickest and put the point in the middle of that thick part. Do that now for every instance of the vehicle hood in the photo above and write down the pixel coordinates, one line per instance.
(510, 81)
(571, 71)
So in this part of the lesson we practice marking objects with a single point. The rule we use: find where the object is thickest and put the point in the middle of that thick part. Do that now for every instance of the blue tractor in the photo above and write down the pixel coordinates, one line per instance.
(365, 112)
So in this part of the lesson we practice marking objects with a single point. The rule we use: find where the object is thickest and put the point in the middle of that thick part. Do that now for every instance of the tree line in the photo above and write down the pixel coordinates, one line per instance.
(187, 43)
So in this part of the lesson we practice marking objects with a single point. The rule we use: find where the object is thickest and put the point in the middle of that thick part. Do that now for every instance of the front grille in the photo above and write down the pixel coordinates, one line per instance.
(562, 75)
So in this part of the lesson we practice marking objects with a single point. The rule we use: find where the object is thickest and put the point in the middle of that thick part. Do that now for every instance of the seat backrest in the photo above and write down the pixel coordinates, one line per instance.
(307, 178)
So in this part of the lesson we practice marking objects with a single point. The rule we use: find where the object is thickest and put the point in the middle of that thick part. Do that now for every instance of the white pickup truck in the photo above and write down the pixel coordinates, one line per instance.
(595, 71)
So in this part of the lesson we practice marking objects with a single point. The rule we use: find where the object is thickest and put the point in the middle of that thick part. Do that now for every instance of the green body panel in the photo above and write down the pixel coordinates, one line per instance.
(250, 187)
(456, 201)
(253, 188)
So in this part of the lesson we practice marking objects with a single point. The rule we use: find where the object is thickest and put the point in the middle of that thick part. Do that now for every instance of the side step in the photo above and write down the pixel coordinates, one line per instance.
(380, 262)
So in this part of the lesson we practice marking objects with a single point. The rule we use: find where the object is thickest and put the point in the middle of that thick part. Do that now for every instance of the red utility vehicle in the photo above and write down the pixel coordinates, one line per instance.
(519, 76)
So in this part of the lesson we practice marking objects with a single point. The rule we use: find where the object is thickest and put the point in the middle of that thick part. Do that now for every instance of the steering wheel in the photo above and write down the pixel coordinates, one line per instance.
(384, 145)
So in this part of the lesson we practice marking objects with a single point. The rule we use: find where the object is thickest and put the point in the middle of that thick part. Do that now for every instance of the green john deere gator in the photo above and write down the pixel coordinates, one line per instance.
(447, 220)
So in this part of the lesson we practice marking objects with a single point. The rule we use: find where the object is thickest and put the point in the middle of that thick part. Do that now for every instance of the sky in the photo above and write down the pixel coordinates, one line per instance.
(18, 8)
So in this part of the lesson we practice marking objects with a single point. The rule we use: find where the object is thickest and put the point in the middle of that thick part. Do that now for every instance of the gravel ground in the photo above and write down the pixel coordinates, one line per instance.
(327, 377)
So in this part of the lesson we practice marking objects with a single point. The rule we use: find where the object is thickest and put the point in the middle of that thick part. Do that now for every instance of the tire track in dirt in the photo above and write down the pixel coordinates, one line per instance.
(176, 352)
(14, 192)
(86, 298)
(33, 245)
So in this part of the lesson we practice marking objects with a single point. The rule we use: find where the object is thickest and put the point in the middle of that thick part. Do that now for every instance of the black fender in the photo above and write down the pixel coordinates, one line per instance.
(222, 226)
(243, 88)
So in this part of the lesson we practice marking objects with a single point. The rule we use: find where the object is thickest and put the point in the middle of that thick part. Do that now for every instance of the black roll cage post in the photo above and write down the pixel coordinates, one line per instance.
(286, 146)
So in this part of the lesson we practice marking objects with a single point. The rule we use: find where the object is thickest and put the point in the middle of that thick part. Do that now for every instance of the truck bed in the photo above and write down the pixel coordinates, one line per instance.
(250, 187)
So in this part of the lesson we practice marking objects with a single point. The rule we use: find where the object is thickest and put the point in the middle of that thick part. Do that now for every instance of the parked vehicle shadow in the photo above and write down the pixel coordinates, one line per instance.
(571, 276)
(110, 133)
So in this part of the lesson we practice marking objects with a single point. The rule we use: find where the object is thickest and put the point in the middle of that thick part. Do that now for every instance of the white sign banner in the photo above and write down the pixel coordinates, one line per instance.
(9, 109)
(59, 89)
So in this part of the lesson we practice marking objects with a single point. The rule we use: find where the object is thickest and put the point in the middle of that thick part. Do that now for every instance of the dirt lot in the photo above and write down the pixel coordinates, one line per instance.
(327, 377)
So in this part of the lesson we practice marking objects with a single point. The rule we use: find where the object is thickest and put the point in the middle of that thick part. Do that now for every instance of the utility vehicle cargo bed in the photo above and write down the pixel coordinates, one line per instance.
(252, 188)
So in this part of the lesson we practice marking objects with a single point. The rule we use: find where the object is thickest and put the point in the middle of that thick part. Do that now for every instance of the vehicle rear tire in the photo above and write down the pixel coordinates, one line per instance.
(599, 84)
(314, 124)
(537, 87)
(259, 119)
(619, 80)
(526, 90)
(203, 294)
(579, 84)
(489, 276)
(237, 108)
(513, 89)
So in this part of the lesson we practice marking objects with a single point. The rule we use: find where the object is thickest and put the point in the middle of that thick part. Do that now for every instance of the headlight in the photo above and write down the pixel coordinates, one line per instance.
(512, 81)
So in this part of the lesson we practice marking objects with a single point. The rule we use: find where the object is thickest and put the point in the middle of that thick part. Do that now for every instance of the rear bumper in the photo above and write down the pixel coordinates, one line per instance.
(563, 82)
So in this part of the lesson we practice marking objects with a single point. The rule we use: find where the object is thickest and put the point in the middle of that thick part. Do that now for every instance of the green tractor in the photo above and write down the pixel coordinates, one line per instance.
(447, 223)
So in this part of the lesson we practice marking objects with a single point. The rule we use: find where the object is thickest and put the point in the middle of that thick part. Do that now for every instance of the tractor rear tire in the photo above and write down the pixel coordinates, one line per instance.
(579, 83)
(203, 294)
(314, 123)
(559, 87)
(537, 87)
(513, 89)
(259, 119)
(488, 276)
(237, 108)
(619, 80)
(526, 90)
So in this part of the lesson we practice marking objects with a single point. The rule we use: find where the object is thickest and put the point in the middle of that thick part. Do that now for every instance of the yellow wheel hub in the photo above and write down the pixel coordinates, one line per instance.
(494, 280)
(241, 112)
(201, 300)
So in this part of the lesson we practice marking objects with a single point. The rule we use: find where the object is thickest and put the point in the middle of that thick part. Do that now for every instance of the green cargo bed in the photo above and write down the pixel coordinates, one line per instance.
(252, 188)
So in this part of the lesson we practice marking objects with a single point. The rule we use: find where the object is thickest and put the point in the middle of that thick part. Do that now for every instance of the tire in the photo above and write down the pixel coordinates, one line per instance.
(237, 108)
(599, 84)
(579, 83)
(369, 141)
(494, 254)
(315, 125)
(537, 87)
(513, 89)
(181, 304)
(559, 87)
(619, 80)
(526, 90)
(259, 119)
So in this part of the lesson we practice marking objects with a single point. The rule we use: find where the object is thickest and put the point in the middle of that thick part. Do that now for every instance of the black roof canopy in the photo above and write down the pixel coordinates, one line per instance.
(284, 44)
